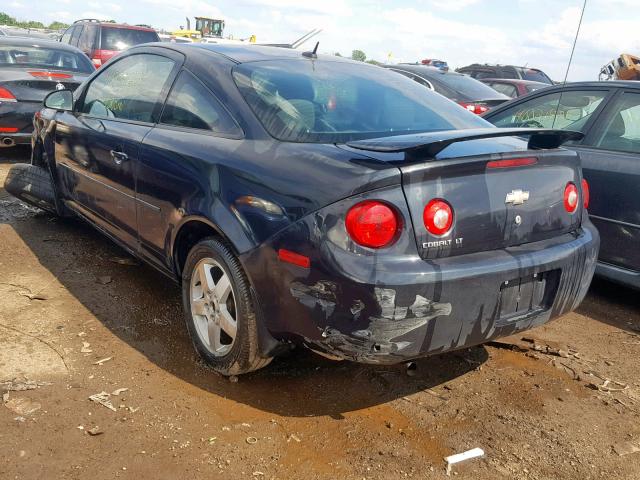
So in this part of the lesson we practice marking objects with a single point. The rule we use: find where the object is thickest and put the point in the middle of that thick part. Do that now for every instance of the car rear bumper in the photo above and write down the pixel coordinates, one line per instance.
(620, 275)
(400, 309)
(17, 115)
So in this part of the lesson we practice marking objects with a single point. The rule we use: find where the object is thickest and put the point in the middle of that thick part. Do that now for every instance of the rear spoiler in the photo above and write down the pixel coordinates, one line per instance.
(430, 144)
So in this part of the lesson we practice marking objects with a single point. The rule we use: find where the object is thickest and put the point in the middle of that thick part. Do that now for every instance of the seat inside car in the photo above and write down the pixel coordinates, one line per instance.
(614, 138)
(300, 94)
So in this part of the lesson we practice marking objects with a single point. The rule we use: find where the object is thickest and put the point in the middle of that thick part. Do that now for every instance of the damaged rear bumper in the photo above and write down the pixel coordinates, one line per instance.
(389, 310)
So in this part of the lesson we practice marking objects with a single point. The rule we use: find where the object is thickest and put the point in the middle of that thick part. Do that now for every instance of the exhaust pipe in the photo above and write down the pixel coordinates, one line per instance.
(8, 142)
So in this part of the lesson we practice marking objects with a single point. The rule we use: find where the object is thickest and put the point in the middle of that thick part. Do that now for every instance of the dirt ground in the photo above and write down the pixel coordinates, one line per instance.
(565, 404)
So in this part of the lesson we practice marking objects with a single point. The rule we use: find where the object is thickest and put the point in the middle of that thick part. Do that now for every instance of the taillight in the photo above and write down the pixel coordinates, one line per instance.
(372, 224)
(571, 198)
(474, 107)
(438, 217)
(6, 95)
(512, 162)
(8, 129)
(586, 194)
(50, 75)
(97, 62)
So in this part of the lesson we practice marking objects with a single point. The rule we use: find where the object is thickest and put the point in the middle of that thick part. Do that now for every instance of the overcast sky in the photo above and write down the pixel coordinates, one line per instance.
(524, 32)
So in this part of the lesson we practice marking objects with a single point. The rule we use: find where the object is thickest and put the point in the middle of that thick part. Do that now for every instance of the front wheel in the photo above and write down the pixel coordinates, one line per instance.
(220, 315)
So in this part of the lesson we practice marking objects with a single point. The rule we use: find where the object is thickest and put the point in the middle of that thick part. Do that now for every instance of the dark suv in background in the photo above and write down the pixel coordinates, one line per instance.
(505, 71)
(103, 40)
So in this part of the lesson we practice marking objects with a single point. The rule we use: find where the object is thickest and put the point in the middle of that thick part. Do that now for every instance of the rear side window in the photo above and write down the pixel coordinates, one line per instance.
(129, 89)
(550, 111)
(192, 105)
(114, 38)
(75, 35)
(622, 131)
(87, 38)
(66, 37)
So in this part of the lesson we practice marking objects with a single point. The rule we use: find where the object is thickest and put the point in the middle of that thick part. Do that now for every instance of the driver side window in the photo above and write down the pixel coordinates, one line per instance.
(129, 89)
(568, 110)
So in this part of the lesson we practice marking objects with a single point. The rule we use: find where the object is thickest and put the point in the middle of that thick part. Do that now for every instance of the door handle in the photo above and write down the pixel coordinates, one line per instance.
(118, 157)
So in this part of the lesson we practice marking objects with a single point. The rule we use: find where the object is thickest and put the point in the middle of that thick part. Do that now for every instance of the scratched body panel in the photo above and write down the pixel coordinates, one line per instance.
(393, 305)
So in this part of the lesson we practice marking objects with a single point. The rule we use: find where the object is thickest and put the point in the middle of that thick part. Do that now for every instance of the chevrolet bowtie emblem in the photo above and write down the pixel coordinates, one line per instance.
(517, 197)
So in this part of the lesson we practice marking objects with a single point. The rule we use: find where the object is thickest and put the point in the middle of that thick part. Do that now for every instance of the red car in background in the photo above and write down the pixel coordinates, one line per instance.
(103, 40)
(513, 88)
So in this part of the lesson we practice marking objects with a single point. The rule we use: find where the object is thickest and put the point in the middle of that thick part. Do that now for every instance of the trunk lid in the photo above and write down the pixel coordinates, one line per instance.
(495, 205)
(493, 208)
(33, 84)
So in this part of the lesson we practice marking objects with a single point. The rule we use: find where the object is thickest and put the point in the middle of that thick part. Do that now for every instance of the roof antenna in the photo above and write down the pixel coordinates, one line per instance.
(312, 54)
(566, 75)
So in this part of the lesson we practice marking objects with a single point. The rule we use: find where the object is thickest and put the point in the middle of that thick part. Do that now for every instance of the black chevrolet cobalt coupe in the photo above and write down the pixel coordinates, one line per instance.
(303, 199)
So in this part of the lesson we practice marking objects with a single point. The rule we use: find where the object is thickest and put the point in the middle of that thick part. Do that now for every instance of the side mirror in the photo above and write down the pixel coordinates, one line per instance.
(60, 100)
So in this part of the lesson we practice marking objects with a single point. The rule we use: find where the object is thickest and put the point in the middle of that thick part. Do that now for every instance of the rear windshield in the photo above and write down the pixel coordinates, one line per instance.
(336, 102)
(534, 75)
(34, 56)
(114, 38)
(468, 87)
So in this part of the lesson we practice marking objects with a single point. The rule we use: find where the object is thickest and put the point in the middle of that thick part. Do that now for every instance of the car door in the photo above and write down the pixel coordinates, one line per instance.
(180, 159)
(97, 145)
(611, 164)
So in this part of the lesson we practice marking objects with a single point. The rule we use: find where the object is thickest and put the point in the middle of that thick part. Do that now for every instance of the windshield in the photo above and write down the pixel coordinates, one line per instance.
(122, 38)
(469, 87)
(336, 102)
(34, 56)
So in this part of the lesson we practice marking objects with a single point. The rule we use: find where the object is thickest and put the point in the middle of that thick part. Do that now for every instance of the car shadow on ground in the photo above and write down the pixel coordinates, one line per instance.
(611, 303)
(143, 308)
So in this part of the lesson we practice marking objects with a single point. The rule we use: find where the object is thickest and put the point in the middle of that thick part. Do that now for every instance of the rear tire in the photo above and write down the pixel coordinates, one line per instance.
(220, 315)
(32, 185)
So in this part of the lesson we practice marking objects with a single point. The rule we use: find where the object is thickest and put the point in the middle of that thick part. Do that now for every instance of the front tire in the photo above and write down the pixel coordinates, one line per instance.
(220, 315)
(33, 185)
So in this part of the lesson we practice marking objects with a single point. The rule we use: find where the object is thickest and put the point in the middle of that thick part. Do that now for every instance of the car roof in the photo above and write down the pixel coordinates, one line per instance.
(245, 53)
(423, 69)
(513, 81)
(497, 65)
(114, 25)
(594, 83)
(36, 42)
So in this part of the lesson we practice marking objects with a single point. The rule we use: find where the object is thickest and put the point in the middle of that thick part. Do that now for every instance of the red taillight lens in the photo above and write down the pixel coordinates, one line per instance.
(294, 258)
(372, 224)
(474, 107)
(50, 75)
(512, 162)
(6, 95)
(571, 198)
(97, 62)
(8, 129)
(438, 217)
(586, 194)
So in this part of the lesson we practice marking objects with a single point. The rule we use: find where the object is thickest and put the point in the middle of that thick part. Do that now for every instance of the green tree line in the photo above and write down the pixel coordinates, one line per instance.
(6, 19)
